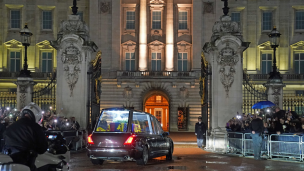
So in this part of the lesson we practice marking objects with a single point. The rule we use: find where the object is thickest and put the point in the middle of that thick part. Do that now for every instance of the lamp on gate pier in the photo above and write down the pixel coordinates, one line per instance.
(274, 37)
(26, 35)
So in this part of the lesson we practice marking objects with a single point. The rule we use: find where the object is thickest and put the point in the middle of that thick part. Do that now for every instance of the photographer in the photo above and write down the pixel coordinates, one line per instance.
(75, 124)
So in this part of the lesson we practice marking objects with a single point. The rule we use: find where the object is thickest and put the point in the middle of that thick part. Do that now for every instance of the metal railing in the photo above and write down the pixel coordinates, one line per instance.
(277, 147)
(286, 146)
(264, 77)
(248, 145)
(8, 99)
(144, 74)
(235, 142)
(35, 75)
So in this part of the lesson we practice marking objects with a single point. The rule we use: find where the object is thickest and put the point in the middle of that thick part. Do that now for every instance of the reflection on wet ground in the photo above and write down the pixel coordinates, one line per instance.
(190, 159)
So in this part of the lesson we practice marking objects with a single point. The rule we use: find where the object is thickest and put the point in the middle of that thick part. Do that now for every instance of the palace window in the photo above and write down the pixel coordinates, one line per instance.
(182, 20)
(156, 20)
(158, 99)
(182, 61)
(14, 61)
(236, 17)
(299, 63)
(130, 24)
(266, 63)
(267, 21)
(47, 20)
(299, 15)
(156, 61)
(130, 61)
(15, 19)
(47, 62)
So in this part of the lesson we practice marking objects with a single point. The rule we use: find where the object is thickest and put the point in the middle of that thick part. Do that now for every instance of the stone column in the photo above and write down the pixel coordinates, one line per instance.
(275, 92)
(225, 54)
(73, 57)
(169, 37)
(24, 91)
(143, 36)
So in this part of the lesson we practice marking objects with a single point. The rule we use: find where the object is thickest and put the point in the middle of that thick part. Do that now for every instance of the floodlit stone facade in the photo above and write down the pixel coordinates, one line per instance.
(153, 47)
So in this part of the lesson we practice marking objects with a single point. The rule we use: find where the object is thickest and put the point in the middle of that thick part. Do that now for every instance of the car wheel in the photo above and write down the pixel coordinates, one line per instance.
(144, 158)
(169, 155)
(97, 161)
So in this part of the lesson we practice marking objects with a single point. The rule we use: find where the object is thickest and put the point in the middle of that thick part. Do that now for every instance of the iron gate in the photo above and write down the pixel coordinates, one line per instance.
(93, 105)
(251, 94)
(45, 96)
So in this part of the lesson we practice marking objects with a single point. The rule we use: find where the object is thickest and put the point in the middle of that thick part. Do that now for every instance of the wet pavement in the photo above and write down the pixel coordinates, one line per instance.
(190, 159)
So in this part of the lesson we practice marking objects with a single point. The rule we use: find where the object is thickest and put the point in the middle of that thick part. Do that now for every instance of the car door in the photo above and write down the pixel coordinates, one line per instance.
(161, 141)
(153, 138)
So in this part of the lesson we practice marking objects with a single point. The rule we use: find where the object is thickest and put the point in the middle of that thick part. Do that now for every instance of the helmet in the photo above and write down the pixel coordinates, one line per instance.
(33, 110)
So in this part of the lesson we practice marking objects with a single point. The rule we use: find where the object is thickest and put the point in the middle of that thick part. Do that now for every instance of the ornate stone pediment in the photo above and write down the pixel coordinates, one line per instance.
(129, 46)
(298, 46)
(156, 2)
(265, 46)
(183, 45)
(44, 45)
(156, 45)
(13, 44)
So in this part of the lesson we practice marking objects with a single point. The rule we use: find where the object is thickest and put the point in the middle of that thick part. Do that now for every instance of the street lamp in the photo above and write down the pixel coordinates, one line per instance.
(274, 38)
(25, 34)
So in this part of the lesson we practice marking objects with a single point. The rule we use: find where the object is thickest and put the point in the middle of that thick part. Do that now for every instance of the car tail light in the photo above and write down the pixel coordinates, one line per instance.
(90, 141)
(129, 140)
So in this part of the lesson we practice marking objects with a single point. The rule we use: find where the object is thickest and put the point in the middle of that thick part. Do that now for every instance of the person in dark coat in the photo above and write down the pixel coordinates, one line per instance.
(2, 129)
(257, 128)
(200, 131)
(24, 139)
(279, 113)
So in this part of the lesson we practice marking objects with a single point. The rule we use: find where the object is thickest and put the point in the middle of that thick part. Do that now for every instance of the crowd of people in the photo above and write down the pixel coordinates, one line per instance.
(275, 121)
(50, 121)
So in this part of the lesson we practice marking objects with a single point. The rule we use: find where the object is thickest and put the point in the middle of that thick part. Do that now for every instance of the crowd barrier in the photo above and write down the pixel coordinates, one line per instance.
(284, 146)
(76, 138)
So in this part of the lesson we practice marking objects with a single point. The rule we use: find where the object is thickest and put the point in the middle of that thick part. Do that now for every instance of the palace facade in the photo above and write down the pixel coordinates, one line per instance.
(151, 49)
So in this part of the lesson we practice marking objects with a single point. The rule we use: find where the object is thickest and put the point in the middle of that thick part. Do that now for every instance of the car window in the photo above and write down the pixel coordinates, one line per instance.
(159, 128)
(141, 123)
(157, 131)
(113, 121)
(152, 125)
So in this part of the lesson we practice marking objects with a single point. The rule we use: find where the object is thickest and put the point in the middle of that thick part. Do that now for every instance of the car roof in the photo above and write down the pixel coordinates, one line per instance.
(122, 108)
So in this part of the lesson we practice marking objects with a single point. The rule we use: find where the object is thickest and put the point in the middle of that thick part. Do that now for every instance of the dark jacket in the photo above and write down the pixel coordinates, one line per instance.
(2, 129)
(26, 135)
(280, 114)
(257, 126)
(200, 130)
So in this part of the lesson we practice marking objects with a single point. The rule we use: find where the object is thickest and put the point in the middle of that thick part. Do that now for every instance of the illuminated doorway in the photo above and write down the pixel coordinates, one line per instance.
(158, 106)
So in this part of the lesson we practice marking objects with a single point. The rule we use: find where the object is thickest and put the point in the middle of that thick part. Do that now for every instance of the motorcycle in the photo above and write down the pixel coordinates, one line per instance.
(54, 159)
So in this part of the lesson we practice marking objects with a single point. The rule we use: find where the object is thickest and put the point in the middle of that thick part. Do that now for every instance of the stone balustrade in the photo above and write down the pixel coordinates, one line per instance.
(35, 75)
(149, 74)
(262, 77)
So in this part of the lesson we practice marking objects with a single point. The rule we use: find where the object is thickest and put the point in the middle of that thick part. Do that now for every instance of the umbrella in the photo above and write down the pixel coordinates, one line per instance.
(263, 104)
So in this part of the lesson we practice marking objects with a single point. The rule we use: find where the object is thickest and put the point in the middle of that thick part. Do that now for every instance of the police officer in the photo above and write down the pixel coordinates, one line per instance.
(200, 131)
(257, 128)
(25, 138)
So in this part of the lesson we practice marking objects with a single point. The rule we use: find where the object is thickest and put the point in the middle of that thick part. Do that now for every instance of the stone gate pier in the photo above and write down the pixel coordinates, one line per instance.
(74, 50)
(225, 55)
